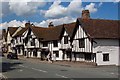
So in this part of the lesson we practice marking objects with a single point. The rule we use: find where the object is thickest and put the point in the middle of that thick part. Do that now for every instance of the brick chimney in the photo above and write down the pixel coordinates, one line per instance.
(51, 24)
(3, 32)
(85, 14)
(27, 24)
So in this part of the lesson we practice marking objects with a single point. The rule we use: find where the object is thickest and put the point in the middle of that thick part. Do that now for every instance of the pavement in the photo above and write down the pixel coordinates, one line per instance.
(36, 69)
(61, 63)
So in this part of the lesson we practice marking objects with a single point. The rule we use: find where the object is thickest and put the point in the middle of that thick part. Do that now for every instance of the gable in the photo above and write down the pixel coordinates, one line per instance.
(18, 30)
(11, 30)
(80, 33)
(69, 28)
(65, 33)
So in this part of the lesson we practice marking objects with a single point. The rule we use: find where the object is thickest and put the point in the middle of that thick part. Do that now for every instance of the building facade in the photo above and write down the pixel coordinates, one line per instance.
(86, 40)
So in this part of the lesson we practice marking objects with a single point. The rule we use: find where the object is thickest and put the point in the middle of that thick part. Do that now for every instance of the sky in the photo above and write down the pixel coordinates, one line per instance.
(41, 13)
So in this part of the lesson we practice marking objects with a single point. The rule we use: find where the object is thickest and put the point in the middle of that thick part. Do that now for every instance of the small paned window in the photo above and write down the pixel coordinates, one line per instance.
(33, 42)
(55, 43)
(45, 44)
(81, 43)
(65, 39)
(105, 57)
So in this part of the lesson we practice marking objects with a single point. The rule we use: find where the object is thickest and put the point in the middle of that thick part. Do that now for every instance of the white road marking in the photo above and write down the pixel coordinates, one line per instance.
(112, 73)
(23, 66)
(34, 69)
(21, 70)
(39, 70)
(61, 76)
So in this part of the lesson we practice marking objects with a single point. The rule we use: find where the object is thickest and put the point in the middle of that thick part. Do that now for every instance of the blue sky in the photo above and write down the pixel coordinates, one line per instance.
(41, 13)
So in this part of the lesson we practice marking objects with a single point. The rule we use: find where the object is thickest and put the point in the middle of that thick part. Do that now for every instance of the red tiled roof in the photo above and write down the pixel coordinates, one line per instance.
(99, 28)
(70, 28)
(19, 33)
(95, 28)
(12, 30)
(47, 34)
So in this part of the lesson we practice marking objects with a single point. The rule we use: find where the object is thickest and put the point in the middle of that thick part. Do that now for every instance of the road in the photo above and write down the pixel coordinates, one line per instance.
(26, 69)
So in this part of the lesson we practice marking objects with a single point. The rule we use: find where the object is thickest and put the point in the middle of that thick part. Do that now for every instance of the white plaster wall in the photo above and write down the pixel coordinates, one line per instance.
(3, 40)
(25, 34)
(36, 42)
(52, 48)
(110, 46)
(65, 46)
(9, 38)
(81, 34)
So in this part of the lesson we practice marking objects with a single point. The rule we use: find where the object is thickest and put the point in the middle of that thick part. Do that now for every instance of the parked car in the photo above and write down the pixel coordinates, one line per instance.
(12, 56)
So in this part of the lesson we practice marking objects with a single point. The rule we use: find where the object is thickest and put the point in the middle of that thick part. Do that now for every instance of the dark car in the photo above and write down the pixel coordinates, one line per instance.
(12, 56)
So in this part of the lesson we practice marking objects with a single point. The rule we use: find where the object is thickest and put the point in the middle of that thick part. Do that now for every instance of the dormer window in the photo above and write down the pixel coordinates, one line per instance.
(81, 43)
(65, 39)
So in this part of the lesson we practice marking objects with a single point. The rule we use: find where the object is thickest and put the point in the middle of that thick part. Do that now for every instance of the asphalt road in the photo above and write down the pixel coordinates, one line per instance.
(25, 69)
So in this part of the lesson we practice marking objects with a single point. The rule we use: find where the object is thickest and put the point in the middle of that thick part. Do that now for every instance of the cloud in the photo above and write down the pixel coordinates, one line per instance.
(100, 4)
(57, 11)
(25, 8)
(75, 7)
(63, 20)
(116, 0)
(91, 7)
(44, 23)
(20, 8)
(4, 9)
(13, 23)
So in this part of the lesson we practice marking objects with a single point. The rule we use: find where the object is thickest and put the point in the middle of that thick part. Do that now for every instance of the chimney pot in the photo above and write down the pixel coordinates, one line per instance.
(27, 24)
(85, 14)
(51, 24)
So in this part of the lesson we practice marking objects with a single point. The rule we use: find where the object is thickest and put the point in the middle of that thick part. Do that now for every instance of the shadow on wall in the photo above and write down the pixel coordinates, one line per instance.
(6, 66)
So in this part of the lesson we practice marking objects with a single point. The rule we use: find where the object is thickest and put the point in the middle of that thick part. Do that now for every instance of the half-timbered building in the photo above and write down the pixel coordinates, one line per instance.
(88, 40)
(97, 40)
(10, 32)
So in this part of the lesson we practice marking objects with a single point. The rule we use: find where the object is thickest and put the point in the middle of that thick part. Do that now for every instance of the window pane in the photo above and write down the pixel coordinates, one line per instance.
(33, 42)
(81, 43)
(105, 57)
(45, 44)
(65, 39)
(55, 43)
